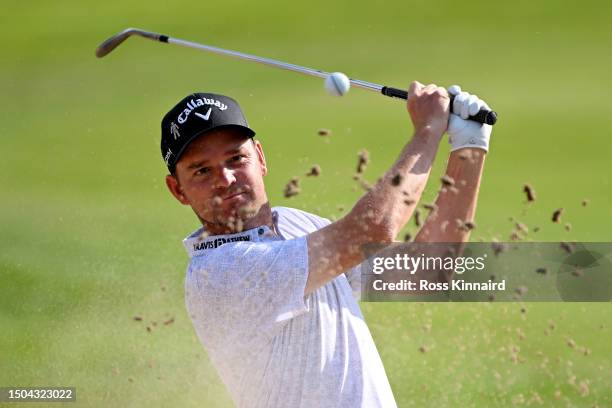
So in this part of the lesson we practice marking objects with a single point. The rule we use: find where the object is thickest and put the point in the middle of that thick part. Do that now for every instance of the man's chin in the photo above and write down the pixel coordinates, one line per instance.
(240, 207)
(233, 217)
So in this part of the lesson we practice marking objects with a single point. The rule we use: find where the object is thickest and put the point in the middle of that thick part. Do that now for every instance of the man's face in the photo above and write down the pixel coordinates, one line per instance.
(220, 175)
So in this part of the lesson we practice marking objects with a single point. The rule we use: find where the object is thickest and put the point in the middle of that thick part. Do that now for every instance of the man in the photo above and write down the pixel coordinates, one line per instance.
(272, 291)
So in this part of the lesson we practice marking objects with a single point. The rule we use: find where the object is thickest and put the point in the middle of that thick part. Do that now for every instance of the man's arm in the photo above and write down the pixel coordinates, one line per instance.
(452, 220)
(453, 217)
(381, 213)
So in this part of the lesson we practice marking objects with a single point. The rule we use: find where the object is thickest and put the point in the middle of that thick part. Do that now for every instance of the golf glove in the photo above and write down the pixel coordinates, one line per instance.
(461, 131)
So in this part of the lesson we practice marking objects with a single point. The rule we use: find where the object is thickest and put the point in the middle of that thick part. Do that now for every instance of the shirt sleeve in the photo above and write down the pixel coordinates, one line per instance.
(353, 276)
(247, 289)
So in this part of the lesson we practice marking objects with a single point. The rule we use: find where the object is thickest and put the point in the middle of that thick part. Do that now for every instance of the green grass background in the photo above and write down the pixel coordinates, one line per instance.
(90, 236)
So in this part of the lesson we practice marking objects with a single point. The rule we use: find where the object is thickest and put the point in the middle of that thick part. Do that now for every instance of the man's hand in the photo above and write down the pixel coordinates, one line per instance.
(467, 133)
(429, 109)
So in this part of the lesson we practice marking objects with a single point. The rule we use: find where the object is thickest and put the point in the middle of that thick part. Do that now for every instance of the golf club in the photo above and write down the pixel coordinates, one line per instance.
(483, 116)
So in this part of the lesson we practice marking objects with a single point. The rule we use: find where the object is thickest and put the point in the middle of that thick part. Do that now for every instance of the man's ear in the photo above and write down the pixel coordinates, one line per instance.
(175, 188)
(261, 157)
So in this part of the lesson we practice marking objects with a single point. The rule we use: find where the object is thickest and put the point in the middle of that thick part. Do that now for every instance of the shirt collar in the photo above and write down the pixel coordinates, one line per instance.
(198, 242)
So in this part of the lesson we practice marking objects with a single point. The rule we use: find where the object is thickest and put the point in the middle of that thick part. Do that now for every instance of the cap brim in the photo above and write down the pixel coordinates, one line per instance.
(249, 133)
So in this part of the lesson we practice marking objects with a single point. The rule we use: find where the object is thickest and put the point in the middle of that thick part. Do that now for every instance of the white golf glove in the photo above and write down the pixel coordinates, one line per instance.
(461, 131)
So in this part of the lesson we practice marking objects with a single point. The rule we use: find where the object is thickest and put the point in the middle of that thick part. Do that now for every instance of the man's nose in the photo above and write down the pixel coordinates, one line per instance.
(225, 178)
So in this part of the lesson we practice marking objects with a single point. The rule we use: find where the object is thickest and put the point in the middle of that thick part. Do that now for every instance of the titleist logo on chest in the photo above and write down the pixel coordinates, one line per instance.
(217, 242)
(194, 103)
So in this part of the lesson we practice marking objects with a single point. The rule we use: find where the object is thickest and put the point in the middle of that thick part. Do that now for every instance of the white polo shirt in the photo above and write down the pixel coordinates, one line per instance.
(272, 346)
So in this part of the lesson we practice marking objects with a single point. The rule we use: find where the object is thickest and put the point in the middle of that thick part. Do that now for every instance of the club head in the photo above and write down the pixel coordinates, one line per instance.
(113, 42)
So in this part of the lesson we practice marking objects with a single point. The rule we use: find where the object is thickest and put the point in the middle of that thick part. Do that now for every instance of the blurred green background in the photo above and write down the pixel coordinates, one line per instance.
(91, 238)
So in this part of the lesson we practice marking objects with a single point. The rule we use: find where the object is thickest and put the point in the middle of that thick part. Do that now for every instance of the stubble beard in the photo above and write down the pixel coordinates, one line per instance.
(232, 220)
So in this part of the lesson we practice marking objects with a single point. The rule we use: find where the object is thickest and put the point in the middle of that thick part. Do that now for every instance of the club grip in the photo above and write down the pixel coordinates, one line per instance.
(394, 92)
(484, 116)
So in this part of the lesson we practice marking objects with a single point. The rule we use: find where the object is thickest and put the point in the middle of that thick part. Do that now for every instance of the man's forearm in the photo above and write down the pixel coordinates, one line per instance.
(392, 200)
(452, 220)
(376, 218)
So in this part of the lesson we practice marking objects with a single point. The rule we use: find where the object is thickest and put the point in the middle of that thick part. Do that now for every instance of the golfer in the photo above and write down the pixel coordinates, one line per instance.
(272, 291)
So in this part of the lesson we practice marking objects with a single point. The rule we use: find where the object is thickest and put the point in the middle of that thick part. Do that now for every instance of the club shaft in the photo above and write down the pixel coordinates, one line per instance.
(483, 116)
(271, 62)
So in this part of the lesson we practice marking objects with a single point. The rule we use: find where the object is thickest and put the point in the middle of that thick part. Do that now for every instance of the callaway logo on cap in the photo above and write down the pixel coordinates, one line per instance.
(193, 116)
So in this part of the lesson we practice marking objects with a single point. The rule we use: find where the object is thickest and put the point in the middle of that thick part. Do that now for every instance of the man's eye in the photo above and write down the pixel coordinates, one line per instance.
(237, 158)
(203, 170)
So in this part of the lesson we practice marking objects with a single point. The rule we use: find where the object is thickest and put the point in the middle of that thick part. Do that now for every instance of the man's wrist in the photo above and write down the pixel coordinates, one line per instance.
(429, 134)
(469, 147)
(468, 156)
(425, 143)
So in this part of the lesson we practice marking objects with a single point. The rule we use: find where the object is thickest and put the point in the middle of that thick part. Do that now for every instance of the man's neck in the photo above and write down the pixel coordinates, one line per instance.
(262, 217)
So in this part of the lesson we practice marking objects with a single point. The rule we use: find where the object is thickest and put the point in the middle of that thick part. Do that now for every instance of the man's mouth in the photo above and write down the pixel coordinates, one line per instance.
(235, 194)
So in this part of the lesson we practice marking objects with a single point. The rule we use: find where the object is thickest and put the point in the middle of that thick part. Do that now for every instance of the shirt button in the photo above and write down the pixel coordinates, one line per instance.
(260, 231)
